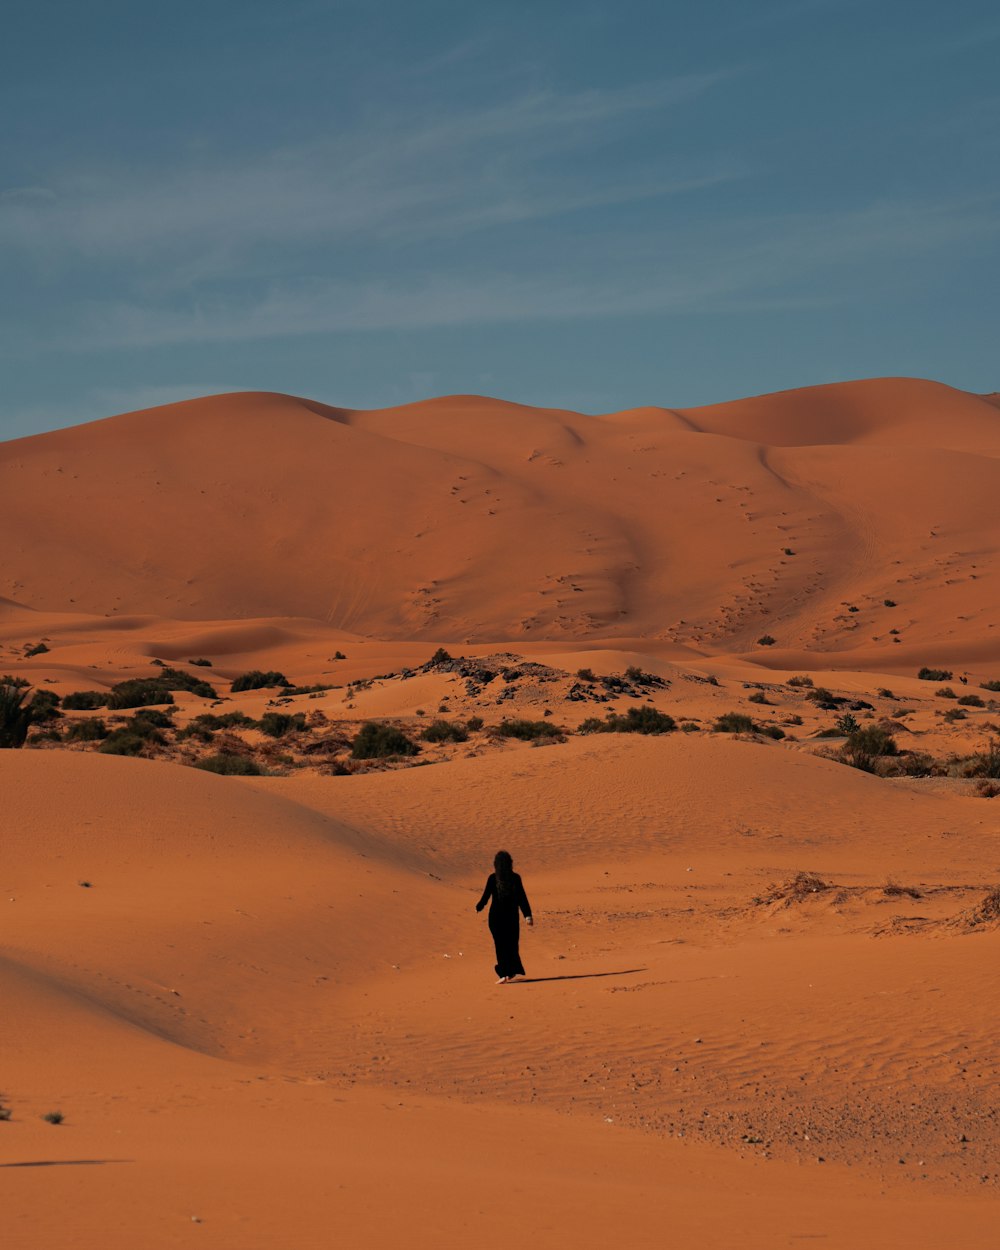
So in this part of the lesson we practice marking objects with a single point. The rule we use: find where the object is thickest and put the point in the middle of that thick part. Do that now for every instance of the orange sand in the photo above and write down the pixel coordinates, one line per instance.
(265, 1006)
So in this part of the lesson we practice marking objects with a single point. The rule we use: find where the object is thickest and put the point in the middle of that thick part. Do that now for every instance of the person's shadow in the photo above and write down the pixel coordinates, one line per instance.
(576, 976)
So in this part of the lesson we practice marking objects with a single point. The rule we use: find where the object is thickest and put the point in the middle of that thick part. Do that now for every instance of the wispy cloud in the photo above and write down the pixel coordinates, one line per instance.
(794, 261)
(424, 176)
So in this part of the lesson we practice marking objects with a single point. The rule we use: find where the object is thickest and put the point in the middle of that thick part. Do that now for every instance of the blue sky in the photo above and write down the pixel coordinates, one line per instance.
(584, 204)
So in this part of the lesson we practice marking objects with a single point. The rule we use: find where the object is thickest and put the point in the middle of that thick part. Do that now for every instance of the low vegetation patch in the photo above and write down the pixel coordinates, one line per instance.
(865, 747)
(734, 723)
(637, 720)
(935, 674)
(84, 700)
(445, 731)
(138, 692)
(527, 730)
(258, 680)
(15, 714)
(766, 640)
(277, 724)
(376, 741)
(990, 685)
(90, 729)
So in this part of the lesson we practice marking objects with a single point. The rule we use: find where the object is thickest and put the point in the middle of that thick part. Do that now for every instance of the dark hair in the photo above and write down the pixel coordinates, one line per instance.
(503, 866)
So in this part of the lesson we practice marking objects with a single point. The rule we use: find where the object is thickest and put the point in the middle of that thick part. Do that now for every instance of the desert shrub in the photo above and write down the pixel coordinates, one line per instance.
(642, 678)
(758, 696)
(445, 731)
(820, 694)
(586, 674)
(228, 720)
(90, 729)
(474, 724)
(5, 1113)
(766, 640)
(987, 762)
(734, 723)
(847, 724)
(44, 706)
(990, 685)
(138, 692)
(229, 764)
(201, 663)
(122, 742)
(38, 649)
(257, 680)
(794, 719)
(440, 656)
(945, 692)
(377, 741)
(177, 679)
(971, 700)
(292, 691)
(771, 731)
(884, 692)
(53, 1117)
(889, 603)
(637, 720)
(918, 764)
(149, 718)
(526, 730)
(865, 746)
(801, 680)
(935, 674)
(277, 724)
(15, 714)
(954, 714)
(84, 700)
(987, 789)
(688, 727)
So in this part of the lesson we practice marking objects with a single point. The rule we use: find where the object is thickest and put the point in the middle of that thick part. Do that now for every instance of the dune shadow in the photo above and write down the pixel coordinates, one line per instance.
(62, 1163)
(577, 976)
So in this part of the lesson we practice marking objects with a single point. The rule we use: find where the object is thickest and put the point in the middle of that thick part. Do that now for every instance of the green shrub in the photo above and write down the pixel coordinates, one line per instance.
(15, 714)
(123, 742)
(971, 700)
(734, 723)
(688, 727)
(44, 706)
(90, 729)
(150, 718)
(474, 724)
(138, 692)
(766, 640)
(84, 700)
(586, 674)
(445, 731)
(526, 730)
(771, 731)
(847, 724)
(202, 663)
(277, 724)
(177, 679)
(379, 741)
(987, 762)
(935, 674)
(994, 686)
(257, 680)
(228, 720)
(294, 691)
(229, 764)
(866, 746)
(945, 692)
(53, 1117)
(820, 694)
(637, 720)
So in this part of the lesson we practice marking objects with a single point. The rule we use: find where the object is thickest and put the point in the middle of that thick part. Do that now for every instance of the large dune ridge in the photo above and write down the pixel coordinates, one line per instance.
(472, 519)
(761, 995)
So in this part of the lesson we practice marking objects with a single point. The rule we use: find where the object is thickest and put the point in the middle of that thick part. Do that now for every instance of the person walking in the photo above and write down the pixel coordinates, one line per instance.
(505, 894)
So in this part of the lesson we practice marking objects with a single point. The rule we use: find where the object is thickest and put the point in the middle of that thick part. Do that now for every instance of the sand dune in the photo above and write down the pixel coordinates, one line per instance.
(468, 518)
(761, 1001)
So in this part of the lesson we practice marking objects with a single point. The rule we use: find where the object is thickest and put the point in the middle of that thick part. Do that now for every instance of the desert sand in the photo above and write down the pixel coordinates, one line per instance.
(761, 996)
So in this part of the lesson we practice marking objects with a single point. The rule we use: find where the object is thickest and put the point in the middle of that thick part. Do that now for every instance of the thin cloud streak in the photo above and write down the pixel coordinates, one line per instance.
(423, 179)
(686, 275)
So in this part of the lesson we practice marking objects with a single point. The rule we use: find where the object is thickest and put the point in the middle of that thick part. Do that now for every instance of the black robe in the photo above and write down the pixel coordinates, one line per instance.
(505, 923)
